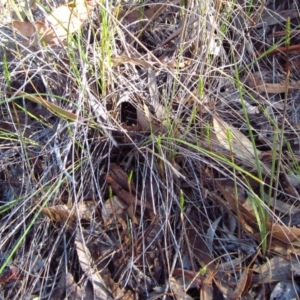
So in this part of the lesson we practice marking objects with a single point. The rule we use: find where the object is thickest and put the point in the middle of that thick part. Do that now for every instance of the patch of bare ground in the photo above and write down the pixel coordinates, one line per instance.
(150, 150)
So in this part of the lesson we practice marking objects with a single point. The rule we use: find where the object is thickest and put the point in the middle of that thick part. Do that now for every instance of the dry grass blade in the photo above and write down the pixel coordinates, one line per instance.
(50, 106)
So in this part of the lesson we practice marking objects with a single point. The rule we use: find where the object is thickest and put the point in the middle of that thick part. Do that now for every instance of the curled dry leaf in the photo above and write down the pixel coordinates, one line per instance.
(124, 195)
(60, 213)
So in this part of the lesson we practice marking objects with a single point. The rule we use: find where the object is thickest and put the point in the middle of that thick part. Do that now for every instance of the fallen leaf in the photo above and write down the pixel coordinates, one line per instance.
(112, 209)
(134, 16)
(238, 143)
(124, 195)
(73, 291)
(187, 278)
(285, 290)
(101, 291)
(273, 88)
(27, 30)
(10, 274)
(50, 106)
(122, 178)
(117, 291)
(242, 285)
(59, 213)
(274, 270)
(207, 290)
(209, 237)
(177, 290)
(56, 27)
(282, 233)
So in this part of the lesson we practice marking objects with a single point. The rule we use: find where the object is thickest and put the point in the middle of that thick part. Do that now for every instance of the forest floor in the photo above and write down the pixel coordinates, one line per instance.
(149, 149)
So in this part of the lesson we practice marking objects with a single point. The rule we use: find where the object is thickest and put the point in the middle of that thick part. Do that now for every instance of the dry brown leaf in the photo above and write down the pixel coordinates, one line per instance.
(126, 196)
(240, 144)
(282, 233)
(112, 209)
(63, 212)
(101, 291)
(117, 292)
(200, 250)
(55, 28)
(50, 106)
(58, 213)
(274, 88)
(274, 270)
(177, 290)
(10, 274)
(121, 177)
(284, 248)
(27, 30)
(123, 59)
(243, 285)
(134, 16)
(187, 278)
(72, 289)
(207, 290)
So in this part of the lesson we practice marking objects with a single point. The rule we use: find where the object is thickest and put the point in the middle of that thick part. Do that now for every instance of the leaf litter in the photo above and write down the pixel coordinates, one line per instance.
(127, 165)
